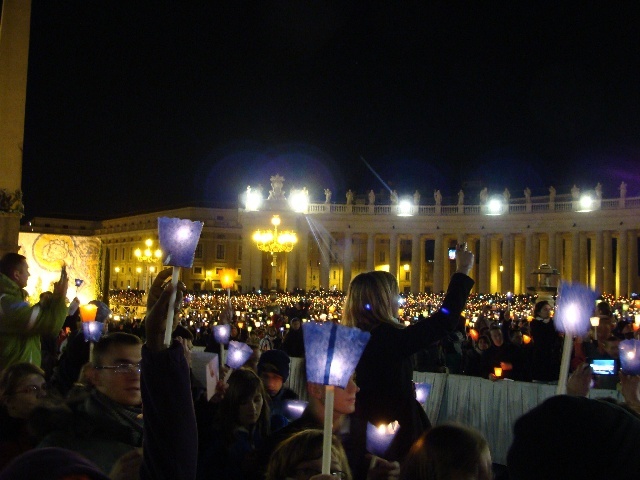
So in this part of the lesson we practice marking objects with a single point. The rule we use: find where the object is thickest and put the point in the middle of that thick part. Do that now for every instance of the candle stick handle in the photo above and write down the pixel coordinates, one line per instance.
(328, 429)
(172, 303)
(227, 375)
(564, 365)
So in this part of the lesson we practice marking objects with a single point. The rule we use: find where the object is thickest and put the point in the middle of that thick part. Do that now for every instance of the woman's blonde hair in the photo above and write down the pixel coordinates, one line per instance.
(444, 452)
(372, 299)
(302, 447)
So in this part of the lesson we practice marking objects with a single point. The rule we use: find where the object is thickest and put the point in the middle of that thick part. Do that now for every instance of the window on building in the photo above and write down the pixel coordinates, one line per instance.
(239, 272)
(382, 257)
(220, 252)
(197, 270)
(115, 253)
(407, 276)
(218, 270)
(239, 252)
(198, 253)
(197, 286)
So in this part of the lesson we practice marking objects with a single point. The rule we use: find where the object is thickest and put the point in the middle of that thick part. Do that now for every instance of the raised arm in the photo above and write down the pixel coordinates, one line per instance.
(170, 442)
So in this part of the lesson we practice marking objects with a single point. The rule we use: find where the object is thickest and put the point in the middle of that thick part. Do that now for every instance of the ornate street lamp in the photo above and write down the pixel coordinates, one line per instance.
(274, 242)
(148, 256)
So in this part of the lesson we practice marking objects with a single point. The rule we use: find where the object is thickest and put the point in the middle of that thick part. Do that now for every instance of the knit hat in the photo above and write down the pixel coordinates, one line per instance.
(567, 437)
(274, 361)
(52, 463)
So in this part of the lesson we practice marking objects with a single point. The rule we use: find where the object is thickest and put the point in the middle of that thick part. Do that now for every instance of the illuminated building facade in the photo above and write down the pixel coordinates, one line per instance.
(591, 240)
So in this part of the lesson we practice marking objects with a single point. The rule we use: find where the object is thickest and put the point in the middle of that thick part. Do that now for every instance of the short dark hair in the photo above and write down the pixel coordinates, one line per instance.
(103, 345)
(10, 262)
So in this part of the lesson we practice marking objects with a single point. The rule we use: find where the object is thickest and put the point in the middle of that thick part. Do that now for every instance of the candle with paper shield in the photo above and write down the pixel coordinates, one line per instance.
(294, 408)
(239, 353)
(332, 353)
(178, 240)
(575, 305)
(91, 329)
(379, 438)
(222, 333)
(422, 392)
(630, 356)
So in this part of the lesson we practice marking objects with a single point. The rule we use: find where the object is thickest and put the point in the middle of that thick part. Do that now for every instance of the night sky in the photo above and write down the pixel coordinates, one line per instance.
(136, 106)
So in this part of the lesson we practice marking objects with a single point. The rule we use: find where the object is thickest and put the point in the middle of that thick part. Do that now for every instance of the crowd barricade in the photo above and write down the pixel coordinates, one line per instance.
(491, 407)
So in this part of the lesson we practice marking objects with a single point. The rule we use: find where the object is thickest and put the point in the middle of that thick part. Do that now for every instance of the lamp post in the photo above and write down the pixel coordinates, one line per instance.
(274, 242)
(147, 256)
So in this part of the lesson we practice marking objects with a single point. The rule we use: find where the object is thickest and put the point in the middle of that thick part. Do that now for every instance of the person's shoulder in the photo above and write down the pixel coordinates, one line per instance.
(289, 394)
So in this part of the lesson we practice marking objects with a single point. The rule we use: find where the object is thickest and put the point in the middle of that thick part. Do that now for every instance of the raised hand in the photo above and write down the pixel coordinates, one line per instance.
(464, 259)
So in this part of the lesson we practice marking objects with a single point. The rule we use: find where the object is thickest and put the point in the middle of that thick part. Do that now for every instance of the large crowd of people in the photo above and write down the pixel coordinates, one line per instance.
(127, 406)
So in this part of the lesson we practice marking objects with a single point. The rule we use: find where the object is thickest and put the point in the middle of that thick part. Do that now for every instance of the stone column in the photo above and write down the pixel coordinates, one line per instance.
(347, 259)
(255, 258)
(528, 258)
(14, 59)
(298, 260)
(507, 263)
(371, 249)
(607, 264)
(416, 264)
(393, 254)
(551, 249)
(623, 263)
(325, 259)
(633, 262)
(245, 261)
(584, 274)
(439, 256)
(575, 256)
(483, 265)
(598, 264)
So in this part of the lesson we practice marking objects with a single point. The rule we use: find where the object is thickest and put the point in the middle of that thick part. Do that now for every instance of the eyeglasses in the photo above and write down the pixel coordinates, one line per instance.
(123, 368)
(33, 390)
(310, 472)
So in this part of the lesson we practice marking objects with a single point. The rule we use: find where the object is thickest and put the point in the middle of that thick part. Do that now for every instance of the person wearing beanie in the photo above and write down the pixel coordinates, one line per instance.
(568, 437)
(273, 369)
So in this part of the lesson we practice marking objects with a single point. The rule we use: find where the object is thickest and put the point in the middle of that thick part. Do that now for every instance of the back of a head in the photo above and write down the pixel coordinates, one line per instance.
(300, 448)
(51, 463)
(372, 298)
(448, 452)
(567, 437)
(10, 262)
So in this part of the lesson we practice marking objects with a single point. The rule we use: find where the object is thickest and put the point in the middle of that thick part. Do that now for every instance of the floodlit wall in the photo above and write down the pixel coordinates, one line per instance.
(46, 253)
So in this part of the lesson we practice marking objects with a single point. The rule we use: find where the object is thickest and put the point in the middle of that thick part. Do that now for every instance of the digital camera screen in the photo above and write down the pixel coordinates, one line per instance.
(603, 367)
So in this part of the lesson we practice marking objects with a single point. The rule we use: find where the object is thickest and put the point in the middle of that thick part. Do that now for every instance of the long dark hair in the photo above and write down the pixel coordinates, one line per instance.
(243, 384)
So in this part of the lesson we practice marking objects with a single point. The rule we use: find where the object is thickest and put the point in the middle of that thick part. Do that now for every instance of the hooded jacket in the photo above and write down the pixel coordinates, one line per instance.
(21, 324)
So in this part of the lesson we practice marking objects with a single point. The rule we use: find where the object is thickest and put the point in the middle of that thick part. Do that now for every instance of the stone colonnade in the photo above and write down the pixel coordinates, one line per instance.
(331, 252)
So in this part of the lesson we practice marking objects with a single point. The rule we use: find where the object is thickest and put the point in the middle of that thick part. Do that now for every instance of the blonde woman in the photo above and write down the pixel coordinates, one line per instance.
(300, 458)
(385, 372)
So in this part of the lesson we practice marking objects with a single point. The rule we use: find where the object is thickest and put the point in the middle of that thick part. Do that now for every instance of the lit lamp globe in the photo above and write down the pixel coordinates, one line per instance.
(227, 279)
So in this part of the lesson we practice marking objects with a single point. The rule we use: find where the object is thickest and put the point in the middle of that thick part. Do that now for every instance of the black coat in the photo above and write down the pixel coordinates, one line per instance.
(385, 375)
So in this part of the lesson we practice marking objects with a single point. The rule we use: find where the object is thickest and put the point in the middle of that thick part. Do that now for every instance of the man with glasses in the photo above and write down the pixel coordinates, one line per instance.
(106, 423)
